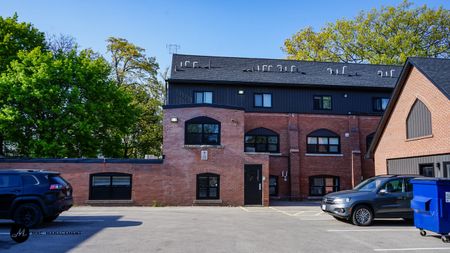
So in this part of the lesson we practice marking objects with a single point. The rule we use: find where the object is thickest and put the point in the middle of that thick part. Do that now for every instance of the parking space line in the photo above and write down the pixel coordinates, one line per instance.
(281, 211)
(295, 214)
(373, 230)
(245, 209)
(410, 249)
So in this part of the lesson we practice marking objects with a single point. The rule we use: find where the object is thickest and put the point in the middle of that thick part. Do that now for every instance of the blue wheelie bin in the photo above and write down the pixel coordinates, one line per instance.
(431, 205)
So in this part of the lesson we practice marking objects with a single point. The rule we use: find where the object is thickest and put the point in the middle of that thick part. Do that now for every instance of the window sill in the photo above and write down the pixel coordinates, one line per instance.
(262, 153)
(334, 155)
(203, 146)
(110, 202)
(420, 138)
(208, 201)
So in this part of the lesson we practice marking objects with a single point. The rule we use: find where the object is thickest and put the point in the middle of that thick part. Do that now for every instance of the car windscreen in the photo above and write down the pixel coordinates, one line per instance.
(370, 184)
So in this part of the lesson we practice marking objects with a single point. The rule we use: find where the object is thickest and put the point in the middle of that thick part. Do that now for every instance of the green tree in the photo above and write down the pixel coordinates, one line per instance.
(63, 105)
(14, 37)
(133, 70)
(385, 36)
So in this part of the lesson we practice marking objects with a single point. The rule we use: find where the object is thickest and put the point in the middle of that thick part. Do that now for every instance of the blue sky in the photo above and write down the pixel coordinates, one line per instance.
(209, 27)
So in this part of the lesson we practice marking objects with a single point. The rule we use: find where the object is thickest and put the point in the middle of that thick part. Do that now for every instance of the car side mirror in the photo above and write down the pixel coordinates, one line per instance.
(383, 191)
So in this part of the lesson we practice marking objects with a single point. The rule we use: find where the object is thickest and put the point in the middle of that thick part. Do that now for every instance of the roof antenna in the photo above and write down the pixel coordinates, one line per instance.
(172, 48)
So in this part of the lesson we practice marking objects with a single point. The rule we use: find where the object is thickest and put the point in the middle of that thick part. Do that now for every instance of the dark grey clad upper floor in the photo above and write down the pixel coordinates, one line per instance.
(214, 69)
(284, 99)
(440, 165)
(292, 84)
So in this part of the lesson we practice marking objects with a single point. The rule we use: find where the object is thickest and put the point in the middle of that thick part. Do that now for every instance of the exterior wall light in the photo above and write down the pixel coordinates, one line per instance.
(241, 92)
(174, 119)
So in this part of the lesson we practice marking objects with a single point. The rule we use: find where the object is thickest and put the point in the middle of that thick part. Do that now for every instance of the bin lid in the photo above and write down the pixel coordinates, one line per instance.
(431, 180)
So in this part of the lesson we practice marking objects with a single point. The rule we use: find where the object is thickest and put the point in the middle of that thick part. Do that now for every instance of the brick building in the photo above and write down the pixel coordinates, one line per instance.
(244, 130)
(414, 134)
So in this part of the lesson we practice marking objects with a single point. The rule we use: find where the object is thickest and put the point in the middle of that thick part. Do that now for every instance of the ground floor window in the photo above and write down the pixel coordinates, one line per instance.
(273, 185)
(446, 169)
(321, 185)
(426, 170)
(208, 186)
(110, 186)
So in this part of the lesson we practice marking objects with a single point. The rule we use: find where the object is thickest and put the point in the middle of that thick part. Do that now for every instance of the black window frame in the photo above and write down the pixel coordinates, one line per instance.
(422, 166)
(194, 96)
(377, 104)
(322, 133)
(320, 105)
(202, 120)
(445, 169)
(198, 186)
(324, 186)
(262, 99)
(261, 132)
(110, 189)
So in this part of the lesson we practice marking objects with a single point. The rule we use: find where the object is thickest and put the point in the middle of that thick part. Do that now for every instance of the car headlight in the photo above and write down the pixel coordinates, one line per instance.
(341, 201)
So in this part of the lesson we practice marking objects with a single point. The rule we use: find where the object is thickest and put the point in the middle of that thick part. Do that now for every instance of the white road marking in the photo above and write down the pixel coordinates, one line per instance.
(373, 230)
(295, 214)
(245, 209)
(281, 211)
(410, 249)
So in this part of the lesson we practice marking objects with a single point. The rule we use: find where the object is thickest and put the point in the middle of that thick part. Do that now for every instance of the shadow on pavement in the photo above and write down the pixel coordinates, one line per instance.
(62, 235)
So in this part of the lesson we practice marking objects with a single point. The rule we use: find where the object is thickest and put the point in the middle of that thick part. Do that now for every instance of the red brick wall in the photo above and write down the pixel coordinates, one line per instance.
(228, 160)
(174, 181)
(148, 179)
(393, 142)
(303, 165)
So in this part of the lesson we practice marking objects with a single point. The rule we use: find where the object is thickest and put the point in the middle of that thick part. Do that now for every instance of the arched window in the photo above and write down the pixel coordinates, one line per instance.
(323, 141)
(418, 123)
(202, 131)
(321, 185)
(369, 140)
(110, 186)
(262, 140)
(208, 186)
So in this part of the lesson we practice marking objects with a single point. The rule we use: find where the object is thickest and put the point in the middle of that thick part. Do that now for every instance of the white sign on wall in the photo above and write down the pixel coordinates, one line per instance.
(204, 155)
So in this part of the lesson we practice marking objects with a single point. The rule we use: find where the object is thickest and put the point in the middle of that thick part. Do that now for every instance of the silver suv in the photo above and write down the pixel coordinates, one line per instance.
(387, 196)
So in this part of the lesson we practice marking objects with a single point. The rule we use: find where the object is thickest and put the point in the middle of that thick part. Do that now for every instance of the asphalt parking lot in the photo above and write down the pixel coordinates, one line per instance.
(301, 228)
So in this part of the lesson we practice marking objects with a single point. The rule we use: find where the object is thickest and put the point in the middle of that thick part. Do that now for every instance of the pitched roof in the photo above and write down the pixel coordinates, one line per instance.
(217, 69)
(437, 70)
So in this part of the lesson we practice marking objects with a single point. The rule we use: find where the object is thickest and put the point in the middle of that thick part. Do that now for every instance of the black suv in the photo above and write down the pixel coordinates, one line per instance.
(30, 197)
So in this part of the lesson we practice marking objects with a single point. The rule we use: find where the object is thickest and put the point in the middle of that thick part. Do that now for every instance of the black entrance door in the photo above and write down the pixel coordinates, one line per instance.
(253, 185)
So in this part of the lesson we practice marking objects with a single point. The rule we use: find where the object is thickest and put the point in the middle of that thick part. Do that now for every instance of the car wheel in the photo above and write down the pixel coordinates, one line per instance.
(362, 216)
(51, 218)
(29, 215)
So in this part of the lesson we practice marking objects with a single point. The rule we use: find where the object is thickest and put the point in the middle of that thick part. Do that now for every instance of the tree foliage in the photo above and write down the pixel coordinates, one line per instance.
(63, 105)
(137, 73)
(16, 36)
(385, 36)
